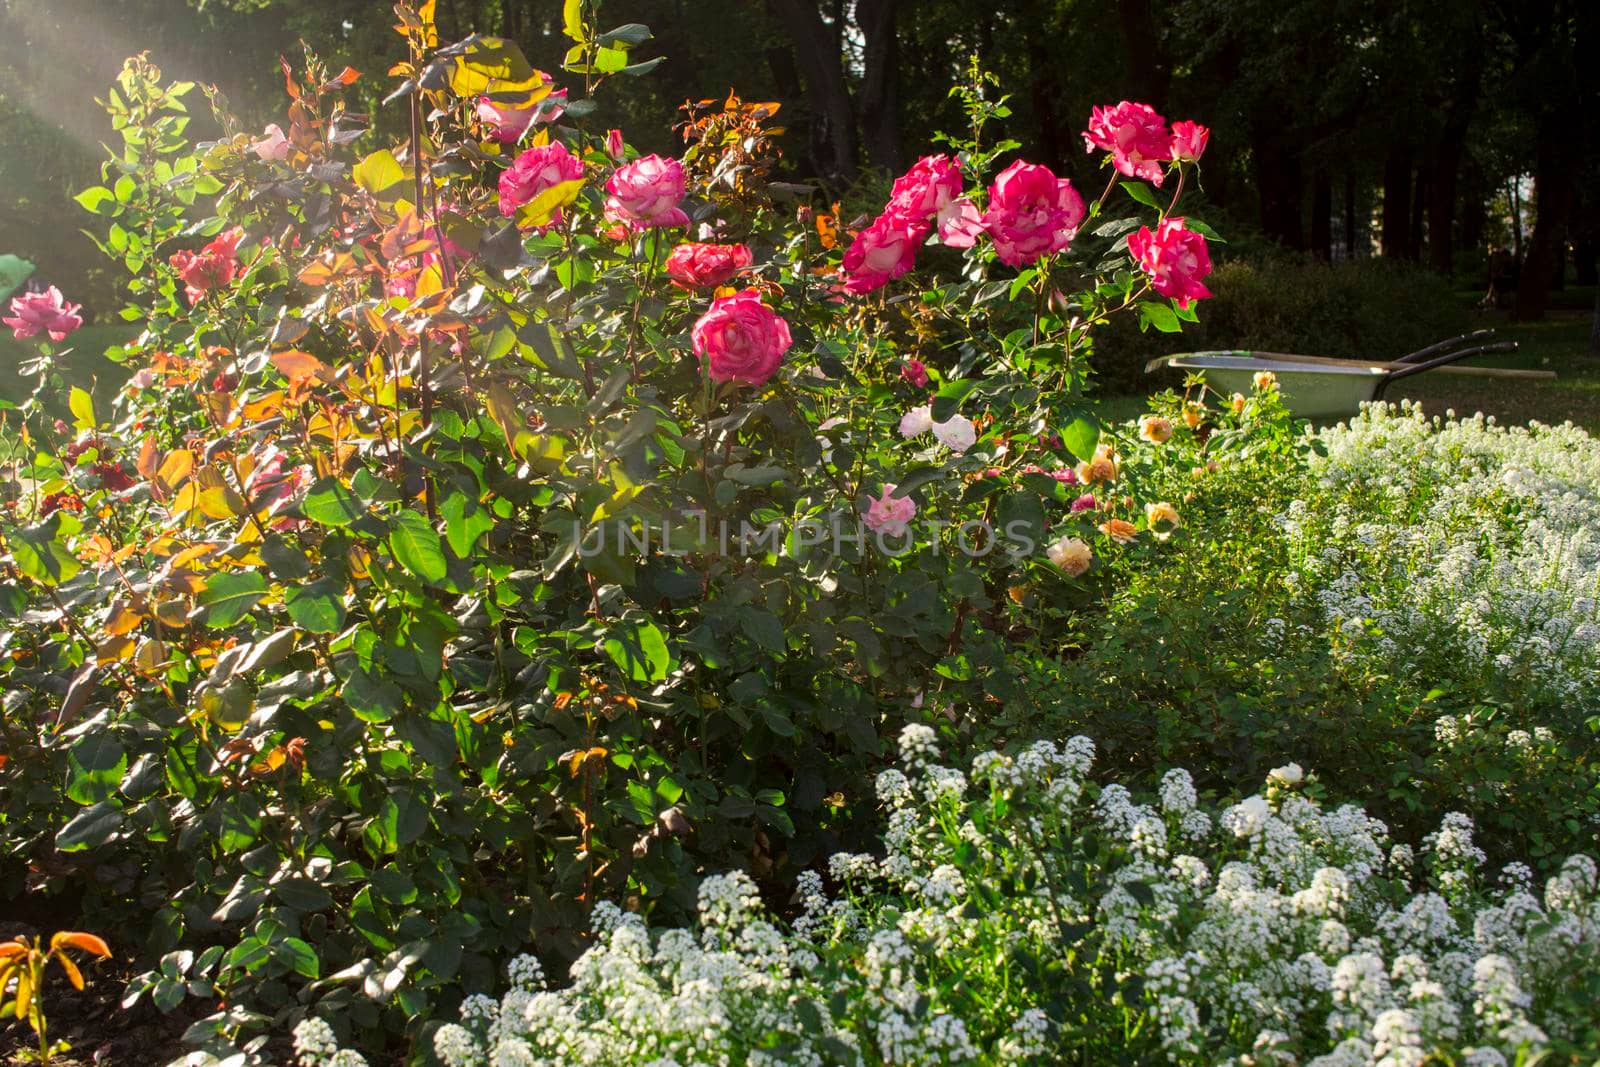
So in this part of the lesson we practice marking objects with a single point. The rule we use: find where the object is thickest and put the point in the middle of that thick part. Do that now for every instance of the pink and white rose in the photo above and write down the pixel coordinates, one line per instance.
(883, 251)
(741, 339)
(1175, 258)
(926, 189)
(1031, 213)
(536, 171)
(1189, 141)
(646, 193)
(273, 147)
(957, 433)
(1135, 135)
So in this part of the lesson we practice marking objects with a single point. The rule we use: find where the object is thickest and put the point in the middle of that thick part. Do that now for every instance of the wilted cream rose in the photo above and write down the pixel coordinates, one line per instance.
(1155, 429)
(1071, 555)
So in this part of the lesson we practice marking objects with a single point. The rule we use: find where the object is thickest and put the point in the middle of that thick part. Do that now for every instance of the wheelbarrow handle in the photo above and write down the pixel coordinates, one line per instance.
(1423, 353)
(1418, 368)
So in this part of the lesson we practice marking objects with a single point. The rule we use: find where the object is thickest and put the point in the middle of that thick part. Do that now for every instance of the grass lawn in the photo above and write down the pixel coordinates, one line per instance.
(1559, 343)
(84, 364)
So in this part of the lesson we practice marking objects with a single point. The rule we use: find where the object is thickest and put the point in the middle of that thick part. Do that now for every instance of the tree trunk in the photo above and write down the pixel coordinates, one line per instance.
(1594, 329)
(880, 84)
(1351, 192)
(1396, 204)
(1419, 203)
(832, 120)
(1473, 213)
(1586, 261)
(1554, 182)
(1322, 216)
(1279, 180)
(1149, 71)
(1516, 217)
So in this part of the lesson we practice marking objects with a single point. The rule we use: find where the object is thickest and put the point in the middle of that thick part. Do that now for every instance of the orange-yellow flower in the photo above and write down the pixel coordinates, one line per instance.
(1102, 468)
(1119, 530)
(1192, 414)
(1162, 518)
(1155, 428)
(1265, 379)
(1238, 403)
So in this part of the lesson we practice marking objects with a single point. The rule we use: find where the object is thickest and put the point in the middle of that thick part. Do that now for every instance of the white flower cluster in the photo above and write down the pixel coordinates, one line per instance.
(1031, 916)
(1457, 544)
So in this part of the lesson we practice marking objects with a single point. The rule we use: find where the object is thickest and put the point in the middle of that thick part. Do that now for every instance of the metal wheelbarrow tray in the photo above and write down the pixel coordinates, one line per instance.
(1314, 387)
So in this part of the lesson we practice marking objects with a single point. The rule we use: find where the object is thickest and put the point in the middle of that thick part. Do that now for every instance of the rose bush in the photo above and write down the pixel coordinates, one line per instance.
(458, 553)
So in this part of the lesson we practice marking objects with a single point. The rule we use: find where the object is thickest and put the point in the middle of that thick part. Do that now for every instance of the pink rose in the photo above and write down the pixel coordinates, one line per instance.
(915, 372)
(890, 515)
(706, 266)
(536, 171)
(1175, 258)
(1189, 141)
(213, 267)
(1083, 503)
(925, 189)
(646, 193)
(883, 251)
(1031, 213)
(1136, 137)
(273, 146)
(614, 145)
(508, 124)
(47, 312)
(959, 224)
(741, 339)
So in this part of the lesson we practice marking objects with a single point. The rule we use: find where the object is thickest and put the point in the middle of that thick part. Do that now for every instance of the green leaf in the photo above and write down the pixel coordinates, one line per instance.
(300, 956)
(81, 404)
(1141, 192)
(381, 175)
(99, 200)
(572, 21)
(400, 820)
(92, 827)
(331, 504)
(465, 520)
(626, 36)
(97, 764)
(229, 596)
(417, 547)
(371, 698)
(1160, 315)
(1081, 436)
(41, 556)
(949, 398)
(640, 650)
(317, 607)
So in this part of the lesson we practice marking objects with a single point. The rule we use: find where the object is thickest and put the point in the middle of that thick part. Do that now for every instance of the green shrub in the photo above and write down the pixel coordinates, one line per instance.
(1357, 309)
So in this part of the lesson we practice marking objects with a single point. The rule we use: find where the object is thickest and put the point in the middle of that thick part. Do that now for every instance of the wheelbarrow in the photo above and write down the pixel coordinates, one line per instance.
(1318, 387)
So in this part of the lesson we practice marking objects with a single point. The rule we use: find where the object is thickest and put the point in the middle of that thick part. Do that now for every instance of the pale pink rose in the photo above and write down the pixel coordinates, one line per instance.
(924, 190)
(1175, 258)
(1189, 141)
(916, 422)
(1135, 135)
(1031, 213)
(646, 193)
(47, 312)
(957, 433)
(890, 515)
(535, 171)
(741, 339)
(142, 379)
(614, 146)
(273, 146)
(1071, 554)
(959, 224)
(883, 251)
